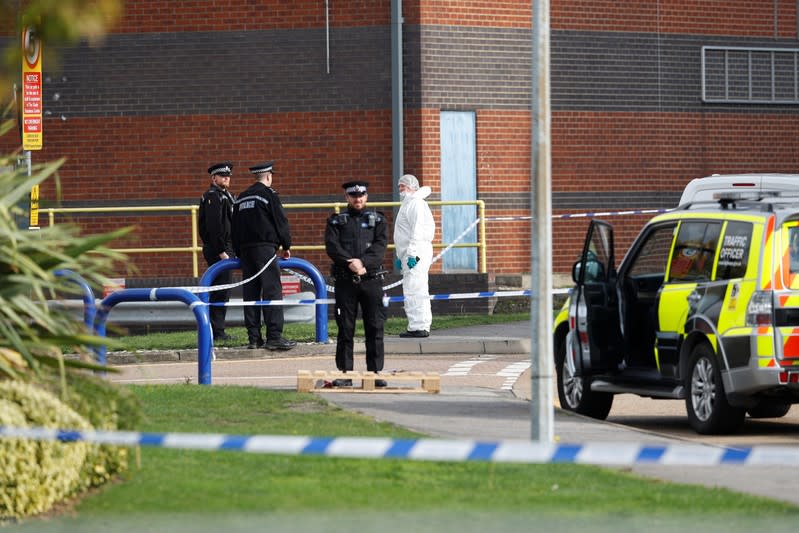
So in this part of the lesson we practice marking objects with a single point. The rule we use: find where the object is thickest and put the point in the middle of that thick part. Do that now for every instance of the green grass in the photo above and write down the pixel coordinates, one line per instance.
(299, 332)
(226, 490)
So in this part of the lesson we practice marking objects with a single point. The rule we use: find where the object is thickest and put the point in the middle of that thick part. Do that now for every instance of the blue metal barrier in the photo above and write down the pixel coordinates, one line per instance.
(300, 264)
(204, 336)
(89, 306)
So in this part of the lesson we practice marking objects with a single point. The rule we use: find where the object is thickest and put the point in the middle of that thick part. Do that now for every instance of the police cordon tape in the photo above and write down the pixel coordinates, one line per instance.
(428, 449)
(388, 299)
(200, 289)
(457, 239)
(589, 214)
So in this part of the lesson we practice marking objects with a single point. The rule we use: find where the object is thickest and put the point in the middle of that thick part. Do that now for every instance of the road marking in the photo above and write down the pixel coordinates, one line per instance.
(512, 372)
(464, 367)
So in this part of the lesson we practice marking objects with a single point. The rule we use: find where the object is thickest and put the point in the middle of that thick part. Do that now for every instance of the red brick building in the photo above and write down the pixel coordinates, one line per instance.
(645, 96)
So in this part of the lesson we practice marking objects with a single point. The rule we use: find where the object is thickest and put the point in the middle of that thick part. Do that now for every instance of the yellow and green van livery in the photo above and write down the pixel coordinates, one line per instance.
(704, 307)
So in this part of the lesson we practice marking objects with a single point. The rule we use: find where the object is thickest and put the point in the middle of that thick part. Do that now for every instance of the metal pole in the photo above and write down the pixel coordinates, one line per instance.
(397, 140)
(541, 409)
(327, 35)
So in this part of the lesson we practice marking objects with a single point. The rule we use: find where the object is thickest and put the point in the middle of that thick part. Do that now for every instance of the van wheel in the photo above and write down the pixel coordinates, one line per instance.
(769, 410)
(574, 392)
(709, 412)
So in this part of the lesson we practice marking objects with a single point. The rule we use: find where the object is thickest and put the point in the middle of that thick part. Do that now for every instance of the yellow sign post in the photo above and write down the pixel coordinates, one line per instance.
(32, 131)
(34, 212)
(32, 135)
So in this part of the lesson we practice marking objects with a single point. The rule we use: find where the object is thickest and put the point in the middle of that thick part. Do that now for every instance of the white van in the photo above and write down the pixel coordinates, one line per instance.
(703, 189)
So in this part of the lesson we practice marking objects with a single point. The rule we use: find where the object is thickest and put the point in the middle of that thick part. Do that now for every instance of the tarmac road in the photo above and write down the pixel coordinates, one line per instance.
(485, 391)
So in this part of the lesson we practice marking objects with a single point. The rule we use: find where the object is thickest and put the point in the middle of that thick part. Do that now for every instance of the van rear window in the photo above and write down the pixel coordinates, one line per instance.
(734, 252)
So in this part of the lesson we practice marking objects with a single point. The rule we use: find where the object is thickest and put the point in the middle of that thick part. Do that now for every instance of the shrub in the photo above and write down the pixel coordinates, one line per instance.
(106, 407)
(34, 475)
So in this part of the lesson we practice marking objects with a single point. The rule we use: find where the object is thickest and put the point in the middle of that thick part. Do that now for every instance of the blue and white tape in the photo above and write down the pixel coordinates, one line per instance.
(387, 299)
(589, 214)
(457, 450)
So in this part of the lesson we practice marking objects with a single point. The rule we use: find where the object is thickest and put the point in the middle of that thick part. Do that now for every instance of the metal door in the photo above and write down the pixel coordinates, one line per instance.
(458, 182)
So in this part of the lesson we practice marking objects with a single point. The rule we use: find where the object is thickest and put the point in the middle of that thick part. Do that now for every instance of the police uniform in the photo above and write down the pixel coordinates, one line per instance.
(362, 235)
(260, 227)
(216, 209)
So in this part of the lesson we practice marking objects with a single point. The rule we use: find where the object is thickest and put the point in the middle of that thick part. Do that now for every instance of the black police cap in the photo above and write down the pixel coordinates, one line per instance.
(263, 167)
(355, 187)
(221, 169)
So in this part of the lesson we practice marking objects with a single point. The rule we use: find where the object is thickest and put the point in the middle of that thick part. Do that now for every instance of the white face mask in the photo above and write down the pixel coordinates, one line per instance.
(403, 194)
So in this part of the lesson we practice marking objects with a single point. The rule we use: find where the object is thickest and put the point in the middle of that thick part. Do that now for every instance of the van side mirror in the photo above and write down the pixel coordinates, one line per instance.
(594, 270)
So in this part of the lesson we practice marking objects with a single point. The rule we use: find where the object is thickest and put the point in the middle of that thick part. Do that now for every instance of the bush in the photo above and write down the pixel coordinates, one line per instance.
(34, 475)
(106, 407)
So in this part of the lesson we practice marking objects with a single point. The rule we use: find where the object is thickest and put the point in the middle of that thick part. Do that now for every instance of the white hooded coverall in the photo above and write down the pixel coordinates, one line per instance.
(414, 230)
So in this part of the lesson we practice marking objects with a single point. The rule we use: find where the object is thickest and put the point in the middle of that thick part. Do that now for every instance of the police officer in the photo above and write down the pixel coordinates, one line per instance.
(260, 227)
(216, 208)
(356, 241)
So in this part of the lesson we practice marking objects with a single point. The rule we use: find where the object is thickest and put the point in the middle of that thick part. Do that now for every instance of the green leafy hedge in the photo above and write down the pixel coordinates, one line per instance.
(106, 407)
(34, 475)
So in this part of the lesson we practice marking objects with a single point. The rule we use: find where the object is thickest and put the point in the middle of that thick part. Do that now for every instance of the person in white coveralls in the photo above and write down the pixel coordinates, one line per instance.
(414, 229)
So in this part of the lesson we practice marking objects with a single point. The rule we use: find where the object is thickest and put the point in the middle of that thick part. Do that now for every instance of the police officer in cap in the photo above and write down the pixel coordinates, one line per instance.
(260, 227)
(356, 241)
(216, 209)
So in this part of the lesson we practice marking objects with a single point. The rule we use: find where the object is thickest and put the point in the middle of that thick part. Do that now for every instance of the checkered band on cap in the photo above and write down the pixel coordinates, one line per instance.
(223, 169)
(356, 189)
(263, 167)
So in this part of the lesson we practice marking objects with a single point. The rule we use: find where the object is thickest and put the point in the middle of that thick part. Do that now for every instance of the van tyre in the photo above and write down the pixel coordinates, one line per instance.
(709, 412)
(575, 394)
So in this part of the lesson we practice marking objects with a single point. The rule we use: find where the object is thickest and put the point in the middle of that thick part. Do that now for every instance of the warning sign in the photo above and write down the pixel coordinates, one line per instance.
(291, 285)
(32, 131)
(113, 285)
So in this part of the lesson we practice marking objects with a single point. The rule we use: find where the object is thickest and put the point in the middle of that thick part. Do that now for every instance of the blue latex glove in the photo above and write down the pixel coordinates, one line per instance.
(398, 264)
(412, 262)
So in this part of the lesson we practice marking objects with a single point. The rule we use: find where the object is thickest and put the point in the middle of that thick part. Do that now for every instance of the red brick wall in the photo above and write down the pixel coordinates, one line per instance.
(752, 18)
(498, 13)
(148, 154)
(201, 15)
(503, 168)
(596, 152)
(592, 152)
(609, 151)
(176, 150)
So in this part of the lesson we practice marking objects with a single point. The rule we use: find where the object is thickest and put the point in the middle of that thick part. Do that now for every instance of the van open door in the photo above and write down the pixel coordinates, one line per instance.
(597, 314)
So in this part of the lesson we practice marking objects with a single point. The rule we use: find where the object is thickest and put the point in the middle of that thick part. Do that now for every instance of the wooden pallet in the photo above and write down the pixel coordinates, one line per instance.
(322, 381)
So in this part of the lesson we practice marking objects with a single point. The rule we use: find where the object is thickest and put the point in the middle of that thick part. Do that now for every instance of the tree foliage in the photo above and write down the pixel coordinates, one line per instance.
(57, 23)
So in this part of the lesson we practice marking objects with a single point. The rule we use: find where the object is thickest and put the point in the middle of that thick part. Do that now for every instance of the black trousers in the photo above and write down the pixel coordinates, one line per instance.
(369, 295)
(267, 286)
(217, 313)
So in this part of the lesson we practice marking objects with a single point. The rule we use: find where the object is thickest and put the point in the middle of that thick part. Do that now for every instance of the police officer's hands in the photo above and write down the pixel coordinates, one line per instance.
(356, 265)
(412, 261)
(224, 255)
(286, 254)
(398, 264)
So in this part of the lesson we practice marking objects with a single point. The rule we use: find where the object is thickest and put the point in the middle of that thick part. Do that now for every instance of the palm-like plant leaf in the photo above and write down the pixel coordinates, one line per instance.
(28, 261)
